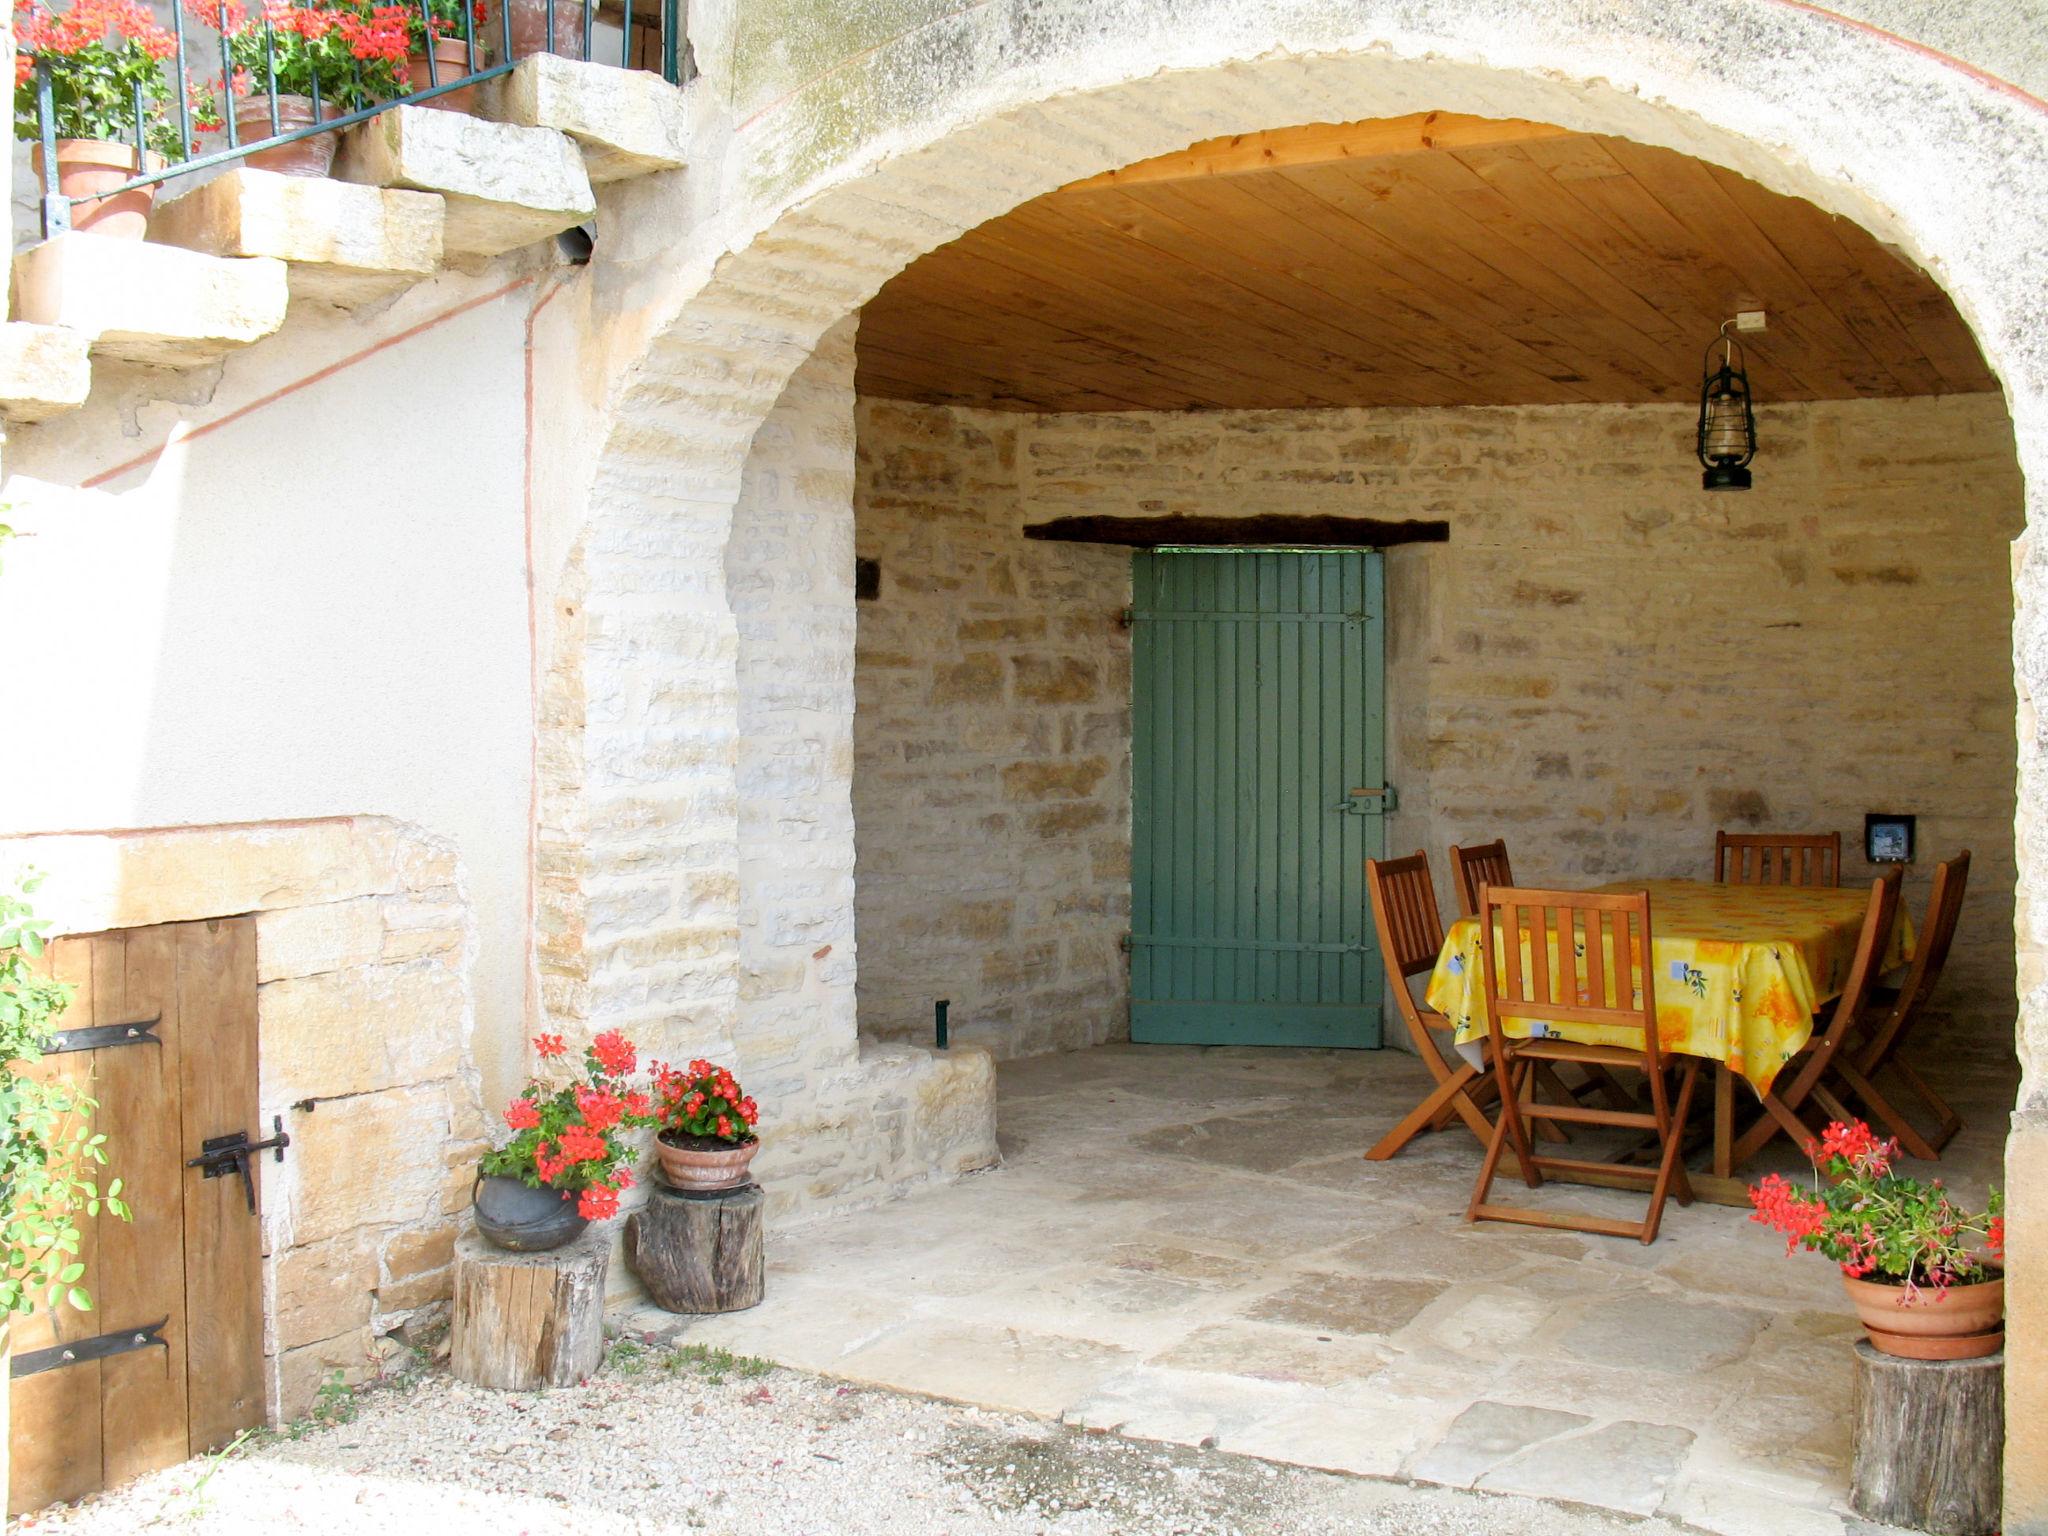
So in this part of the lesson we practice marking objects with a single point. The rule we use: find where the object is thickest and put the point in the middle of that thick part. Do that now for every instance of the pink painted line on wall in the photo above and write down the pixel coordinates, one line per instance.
(1961, 66)
(181, 435)
(530, 1004)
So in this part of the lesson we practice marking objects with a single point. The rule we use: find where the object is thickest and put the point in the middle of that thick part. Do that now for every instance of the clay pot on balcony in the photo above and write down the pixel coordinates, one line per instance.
(530, 31)
(451, 62)
(523, 1219)
(698, 1164)
(310, 156)
(1965, 1322)
(87, 168)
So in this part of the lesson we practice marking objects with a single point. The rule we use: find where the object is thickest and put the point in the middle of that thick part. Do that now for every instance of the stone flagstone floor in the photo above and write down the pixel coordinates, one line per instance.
(1186, 1245)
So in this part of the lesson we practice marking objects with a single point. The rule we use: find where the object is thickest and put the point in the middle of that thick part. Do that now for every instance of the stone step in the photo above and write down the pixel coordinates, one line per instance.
(346, 244)
(506, 185)
(44, 370)
(628, 121)
(149, 303)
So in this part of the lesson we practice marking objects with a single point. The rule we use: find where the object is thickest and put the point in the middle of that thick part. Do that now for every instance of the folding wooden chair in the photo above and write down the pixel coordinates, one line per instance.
(1482, 864)
(1411, 936)
(1888, 1019)
(1477, 865)
(1785, 1104)
(1587, 952)
(1778, 858)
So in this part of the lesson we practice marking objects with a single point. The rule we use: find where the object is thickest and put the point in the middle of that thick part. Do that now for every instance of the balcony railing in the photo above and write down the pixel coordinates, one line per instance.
(655, 39)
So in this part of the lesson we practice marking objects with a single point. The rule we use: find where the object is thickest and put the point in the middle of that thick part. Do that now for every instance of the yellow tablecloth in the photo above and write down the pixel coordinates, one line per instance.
(1739, 970)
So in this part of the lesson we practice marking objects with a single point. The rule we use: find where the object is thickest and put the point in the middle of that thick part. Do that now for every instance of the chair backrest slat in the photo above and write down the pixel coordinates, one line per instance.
(1778, 858)
(1478, 864)
(1596, 970)
(1554, 922)
(1937, 933)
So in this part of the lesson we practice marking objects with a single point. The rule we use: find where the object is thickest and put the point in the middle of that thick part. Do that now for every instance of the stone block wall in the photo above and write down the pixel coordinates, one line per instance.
(1603, 665)
(364, 944)
(991, 788)
(848, 1122)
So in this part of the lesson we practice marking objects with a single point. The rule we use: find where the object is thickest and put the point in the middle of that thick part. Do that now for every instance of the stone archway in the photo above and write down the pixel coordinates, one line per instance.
(831, 190)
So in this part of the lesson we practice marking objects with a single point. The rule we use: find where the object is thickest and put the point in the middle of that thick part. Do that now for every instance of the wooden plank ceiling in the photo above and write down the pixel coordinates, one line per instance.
(1429, 260)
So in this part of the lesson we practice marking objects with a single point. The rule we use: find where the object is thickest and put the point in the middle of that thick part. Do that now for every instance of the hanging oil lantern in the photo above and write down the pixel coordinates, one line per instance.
(1727, 434)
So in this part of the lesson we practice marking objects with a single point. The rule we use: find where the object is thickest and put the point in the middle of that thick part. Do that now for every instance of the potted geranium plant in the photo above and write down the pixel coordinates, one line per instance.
(707, 1127)
(1910, 1256)
(347, 52)
(568, 1159)
(535, 30)
(102, 57)
(442, 33)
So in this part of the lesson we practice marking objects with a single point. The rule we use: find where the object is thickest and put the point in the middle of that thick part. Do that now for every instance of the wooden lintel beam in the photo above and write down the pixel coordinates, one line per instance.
(1269, 530)
(1275, 149)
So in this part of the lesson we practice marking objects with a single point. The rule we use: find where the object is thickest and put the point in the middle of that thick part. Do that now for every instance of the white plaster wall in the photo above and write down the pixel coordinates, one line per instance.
(318, 609)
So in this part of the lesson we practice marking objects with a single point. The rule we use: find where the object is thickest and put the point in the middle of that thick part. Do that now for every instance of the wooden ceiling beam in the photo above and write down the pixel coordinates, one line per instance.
(1319, 144)
(1264, 530)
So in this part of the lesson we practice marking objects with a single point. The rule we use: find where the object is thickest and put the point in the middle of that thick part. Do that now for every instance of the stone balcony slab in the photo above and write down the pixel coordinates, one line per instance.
(148, 303)
(44, 370)
(506, 185)
(346, 243)
(628, 121)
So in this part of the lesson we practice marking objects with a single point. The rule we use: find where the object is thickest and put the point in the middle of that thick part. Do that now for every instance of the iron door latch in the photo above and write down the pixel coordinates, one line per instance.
(1367, 802)
(220, 1156)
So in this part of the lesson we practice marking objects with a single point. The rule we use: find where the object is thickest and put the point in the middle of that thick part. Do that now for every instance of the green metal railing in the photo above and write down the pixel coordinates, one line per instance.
(677, 67)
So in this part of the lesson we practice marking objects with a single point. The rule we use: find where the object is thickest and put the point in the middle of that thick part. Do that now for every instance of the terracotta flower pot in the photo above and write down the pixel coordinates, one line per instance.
(87, 168)
(702, 1163)
(530, 28)
(311, 156)
(524, 1219)
(451, 62)
(1964, 1322)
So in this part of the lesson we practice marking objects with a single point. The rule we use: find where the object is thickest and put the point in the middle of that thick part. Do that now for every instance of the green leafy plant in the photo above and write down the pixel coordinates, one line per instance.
(627, 1356)
(1879, 1224)
(714, 1365)
(50, 1150)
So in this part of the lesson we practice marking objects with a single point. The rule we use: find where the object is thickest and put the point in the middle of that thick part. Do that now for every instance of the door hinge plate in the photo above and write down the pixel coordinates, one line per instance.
(95, 1037)
(102, 1347)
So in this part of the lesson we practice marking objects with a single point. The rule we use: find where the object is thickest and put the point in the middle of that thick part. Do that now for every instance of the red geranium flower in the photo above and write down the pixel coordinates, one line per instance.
(522, 1114)
(549, 1045)
(580, 1144)
(614, 1053)
(600, 1110)
(597, 1202)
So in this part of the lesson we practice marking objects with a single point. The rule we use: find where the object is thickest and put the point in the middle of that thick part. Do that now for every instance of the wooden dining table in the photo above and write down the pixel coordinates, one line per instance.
(1739, 972)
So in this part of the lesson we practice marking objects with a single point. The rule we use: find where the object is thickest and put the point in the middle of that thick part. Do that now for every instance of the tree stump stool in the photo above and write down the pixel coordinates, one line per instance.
(1930, 1439)
(524, 1321)
(698, 1252)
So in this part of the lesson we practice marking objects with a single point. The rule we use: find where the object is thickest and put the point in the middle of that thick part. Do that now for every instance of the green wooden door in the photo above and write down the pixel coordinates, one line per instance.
(1257, 713)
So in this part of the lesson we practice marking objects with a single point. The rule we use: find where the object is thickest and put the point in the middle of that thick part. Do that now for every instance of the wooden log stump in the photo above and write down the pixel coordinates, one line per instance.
(698, 1252)
(524, 1321)
(1930, 1439)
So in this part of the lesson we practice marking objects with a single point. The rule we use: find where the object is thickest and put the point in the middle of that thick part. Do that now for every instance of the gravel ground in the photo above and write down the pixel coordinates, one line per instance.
(663, 1442)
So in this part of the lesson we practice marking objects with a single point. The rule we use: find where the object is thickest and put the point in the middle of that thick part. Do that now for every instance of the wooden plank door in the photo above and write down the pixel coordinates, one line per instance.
(187, 1270)
(1257, 746)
